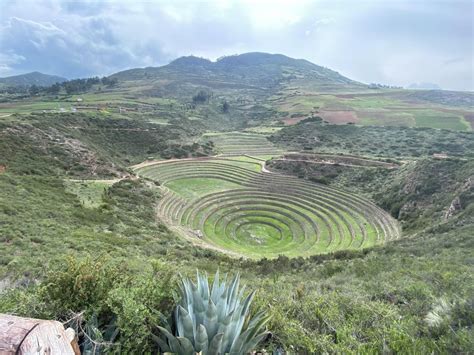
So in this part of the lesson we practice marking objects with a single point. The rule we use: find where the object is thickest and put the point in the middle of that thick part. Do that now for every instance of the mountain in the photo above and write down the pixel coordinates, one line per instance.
(33, 78)
(254, 69)
(424, 86)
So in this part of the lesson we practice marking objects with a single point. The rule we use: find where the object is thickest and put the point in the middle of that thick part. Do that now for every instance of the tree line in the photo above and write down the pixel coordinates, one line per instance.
(70, 87)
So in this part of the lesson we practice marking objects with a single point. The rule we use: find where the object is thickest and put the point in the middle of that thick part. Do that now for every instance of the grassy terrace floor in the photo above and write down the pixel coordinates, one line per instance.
(239, 143)
(233, 205)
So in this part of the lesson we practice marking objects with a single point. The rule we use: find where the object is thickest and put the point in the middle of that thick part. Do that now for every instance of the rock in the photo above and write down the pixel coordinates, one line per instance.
(407, 209)
(453, 208)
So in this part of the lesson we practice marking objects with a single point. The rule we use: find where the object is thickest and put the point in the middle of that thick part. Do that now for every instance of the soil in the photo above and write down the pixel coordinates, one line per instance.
(339, 117)
(293, 120)
(469, 117)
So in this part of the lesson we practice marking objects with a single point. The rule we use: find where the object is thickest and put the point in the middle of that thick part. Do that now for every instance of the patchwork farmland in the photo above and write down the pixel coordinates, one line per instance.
(251, 212)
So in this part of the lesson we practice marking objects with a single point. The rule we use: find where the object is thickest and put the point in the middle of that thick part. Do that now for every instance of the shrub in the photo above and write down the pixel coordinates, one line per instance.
(139, 305)
(82, 285)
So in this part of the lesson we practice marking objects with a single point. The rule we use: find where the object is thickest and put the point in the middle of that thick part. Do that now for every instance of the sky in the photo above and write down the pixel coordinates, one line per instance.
(395, 42)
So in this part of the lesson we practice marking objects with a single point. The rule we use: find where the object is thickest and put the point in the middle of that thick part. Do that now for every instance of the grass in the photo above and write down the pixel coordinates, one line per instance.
(263, 129)
(89, 192)
(387, 108)
(256, 159)
(42, 220)
(369, 300)
(191, 188)
(259, 215)
(435, 119)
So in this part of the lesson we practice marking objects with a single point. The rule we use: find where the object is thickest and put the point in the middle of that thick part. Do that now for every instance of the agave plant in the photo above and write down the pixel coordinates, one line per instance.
(213, 321)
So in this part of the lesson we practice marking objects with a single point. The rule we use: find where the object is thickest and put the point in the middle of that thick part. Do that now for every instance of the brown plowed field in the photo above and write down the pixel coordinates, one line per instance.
(339, 117)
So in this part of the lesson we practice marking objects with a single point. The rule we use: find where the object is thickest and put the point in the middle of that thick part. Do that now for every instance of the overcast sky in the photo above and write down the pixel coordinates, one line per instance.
(394, 42)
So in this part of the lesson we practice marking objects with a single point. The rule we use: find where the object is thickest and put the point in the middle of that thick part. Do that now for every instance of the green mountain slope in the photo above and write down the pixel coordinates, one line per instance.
(259, 69)
(33, 78)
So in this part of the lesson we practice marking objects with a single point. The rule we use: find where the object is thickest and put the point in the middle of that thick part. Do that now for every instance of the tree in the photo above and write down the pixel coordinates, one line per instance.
(54, 89)
(34, 90)
(225, 107)
(109, 82)
(201, 97)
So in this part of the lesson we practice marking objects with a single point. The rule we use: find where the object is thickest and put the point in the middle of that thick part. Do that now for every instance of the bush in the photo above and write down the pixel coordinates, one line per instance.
(139, 305)
(82, 285)
(98, 288)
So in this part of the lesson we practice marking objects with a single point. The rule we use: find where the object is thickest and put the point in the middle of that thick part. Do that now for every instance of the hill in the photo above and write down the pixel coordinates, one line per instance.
(252, 90)
(287, 90)
(261, 69)
(33, 78)
(424, 86)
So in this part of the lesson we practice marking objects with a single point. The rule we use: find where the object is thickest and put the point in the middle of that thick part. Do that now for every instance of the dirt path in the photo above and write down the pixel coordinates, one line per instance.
(105, 181)
(156, 162)
(335, 163)
(213, 157)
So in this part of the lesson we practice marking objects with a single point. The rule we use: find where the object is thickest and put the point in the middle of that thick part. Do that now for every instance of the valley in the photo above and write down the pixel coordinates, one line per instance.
(349, 207)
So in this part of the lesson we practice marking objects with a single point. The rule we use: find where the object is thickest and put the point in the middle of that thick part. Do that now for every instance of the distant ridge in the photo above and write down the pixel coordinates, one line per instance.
(256, 68)
(33, 78)
(424, 86)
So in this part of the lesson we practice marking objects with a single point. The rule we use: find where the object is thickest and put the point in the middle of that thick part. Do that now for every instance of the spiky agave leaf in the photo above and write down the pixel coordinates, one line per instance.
(216, 345)
(185, 324)
(186, 347)
(213, 319)
(202, 340)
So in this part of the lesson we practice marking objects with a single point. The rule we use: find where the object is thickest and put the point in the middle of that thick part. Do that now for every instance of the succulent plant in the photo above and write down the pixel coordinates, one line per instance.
(213, 320)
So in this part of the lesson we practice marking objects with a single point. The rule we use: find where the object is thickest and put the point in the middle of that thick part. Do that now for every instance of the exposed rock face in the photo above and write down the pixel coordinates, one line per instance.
(456, 204)
(407, 209)
(453, 208)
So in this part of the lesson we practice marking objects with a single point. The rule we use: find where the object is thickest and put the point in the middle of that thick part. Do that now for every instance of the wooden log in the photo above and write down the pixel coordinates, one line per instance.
(35, 336)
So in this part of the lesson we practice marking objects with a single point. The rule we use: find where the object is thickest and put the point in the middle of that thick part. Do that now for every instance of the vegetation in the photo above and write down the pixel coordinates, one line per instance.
(213, 320)
(96, 223)
(254, 217)
(388, 142)
(26, 80)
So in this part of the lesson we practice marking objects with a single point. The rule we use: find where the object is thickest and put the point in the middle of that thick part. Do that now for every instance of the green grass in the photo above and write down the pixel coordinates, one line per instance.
(263, 129)
(386, 108)
(256, 159)
(441, 120)
(256, 217)
(89, 192)
(191, 188)
(334, 300)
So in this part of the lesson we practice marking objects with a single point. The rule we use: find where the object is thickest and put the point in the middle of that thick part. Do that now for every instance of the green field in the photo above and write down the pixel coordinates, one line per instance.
(385, 108)
(240, 143)
(89, 192)
(235, 207)
(193, 188)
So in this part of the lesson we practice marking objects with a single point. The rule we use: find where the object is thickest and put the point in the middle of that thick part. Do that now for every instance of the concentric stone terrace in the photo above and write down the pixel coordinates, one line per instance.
(232, 205)
(239, 143)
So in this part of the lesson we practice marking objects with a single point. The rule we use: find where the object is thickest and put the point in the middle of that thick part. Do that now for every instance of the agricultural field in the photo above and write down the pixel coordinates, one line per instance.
(385, 108)
(242, 143)
(251, 212)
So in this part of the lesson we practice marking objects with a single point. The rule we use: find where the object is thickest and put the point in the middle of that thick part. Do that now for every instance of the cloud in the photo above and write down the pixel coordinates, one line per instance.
(395, 42)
